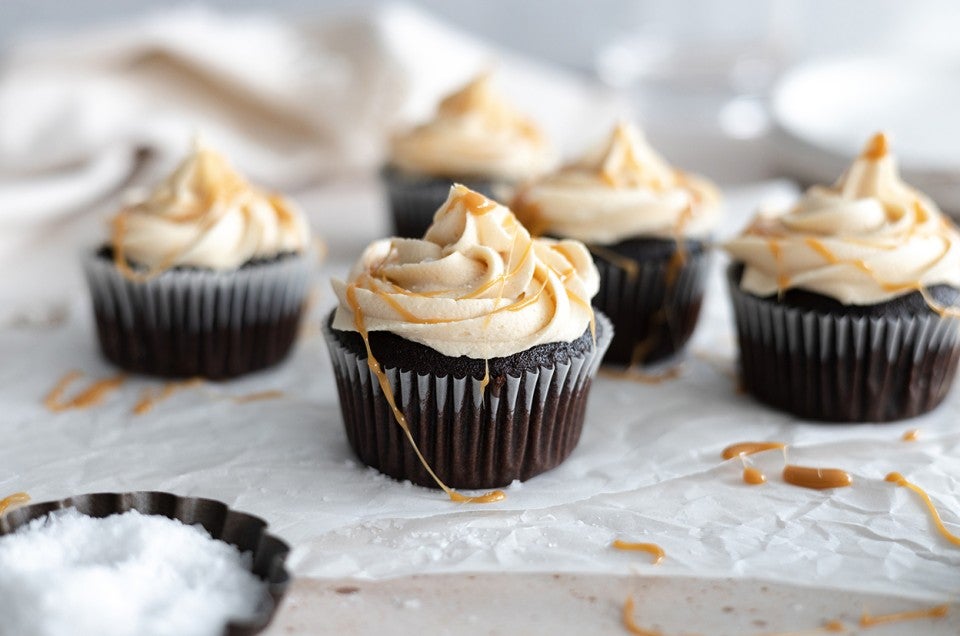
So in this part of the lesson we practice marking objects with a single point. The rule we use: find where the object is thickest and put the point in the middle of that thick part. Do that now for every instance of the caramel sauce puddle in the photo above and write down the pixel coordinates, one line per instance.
(816, 478)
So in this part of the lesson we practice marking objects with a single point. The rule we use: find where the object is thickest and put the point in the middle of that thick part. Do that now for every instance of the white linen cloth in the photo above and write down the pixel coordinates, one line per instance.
(289, 102)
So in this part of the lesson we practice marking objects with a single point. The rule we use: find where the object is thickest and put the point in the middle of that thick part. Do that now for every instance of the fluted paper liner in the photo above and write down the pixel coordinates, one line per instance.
(188, 322)
(415, 199)
(473, 438)
(843, 368)
(645, 309)
(246, 532)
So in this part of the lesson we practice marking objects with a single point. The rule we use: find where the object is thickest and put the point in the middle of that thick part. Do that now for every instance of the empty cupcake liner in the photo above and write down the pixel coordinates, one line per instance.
(246, 532)
(473, 437)
(646, 310)
(843, 368)
(414, 199)
(188, 322)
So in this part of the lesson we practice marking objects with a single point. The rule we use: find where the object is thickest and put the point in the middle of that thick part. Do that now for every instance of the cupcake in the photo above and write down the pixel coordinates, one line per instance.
(464, 359)
(846, 304)
(476, 139)
(646, 224)
(206, 277)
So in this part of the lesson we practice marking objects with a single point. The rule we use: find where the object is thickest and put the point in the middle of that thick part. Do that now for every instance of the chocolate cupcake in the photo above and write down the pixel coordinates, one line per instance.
(464, 360)
(205, 277)
(846, 304)
(476, 139)
(646, 224)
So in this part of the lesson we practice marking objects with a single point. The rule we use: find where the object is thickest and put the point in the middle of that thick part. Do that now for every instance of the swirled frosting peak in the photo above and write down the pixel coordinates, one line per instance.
(207, 215)
(622, 190)
(475, 285)
(475, 134)
(868, 238)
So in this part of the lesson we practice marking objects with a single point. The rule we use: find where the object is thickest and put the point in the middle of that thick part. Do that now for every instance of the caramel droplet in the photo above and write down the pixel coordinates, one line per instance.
(877, 147)
(911, 435)
(749, 448)
(816, 478)
(753, 476)
(650, 548)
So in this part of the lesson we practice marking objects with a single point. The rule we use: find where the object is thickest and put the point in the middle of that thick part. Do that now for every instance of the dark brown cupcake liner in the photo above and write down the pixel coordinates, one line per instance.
(843, 368)
(199, 322)
(415, 199)
(246, 532)
(473, 437)
(647, 309)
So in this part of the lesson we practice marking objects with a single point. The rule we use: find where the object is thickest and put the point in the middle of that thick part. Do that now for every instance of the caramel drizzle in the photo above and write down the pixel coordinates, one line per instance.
(635, 374)
(151, 397)
(816, 478)
(650, 548)
(630, 623)
(900, 480)
(628, 265)
(911, 435)
(749, 448)
(16, 499)
(478, 205)
(91, 396)
(486, 377)
(259, 396)
(377, 370)
(817, 246)
(937, 611)
(227, 184)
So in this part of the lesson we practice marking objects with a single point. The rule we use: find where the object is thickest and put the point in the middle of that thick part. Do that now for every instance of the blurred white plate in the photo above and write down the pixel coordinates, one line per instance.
(825, 111)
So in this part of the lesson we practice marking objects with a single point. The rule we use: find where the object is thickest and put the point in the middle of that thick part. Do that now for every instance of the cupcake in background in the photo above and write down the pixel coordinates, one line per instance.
(846, 304)
(646, 224)
(464, 359)
(205, 277)
(476, 138)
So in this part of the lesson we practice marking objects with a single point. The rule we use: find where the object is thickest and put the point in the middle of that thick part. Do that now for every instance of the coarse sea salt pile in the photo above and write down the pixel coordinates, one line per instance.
(127, 574)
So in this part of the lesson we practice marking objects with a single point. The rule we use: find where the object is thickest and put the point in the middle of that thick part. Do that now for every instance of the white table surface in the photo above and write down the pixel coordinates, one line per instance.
(647, 468)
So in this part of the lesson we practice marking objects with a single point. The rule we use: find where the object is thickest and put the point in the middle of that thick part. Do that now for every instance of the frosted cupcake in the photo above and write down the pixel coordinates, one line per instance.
(646, 224)
(482, 337)
(846, 304)
(476, 138)
(205, 277)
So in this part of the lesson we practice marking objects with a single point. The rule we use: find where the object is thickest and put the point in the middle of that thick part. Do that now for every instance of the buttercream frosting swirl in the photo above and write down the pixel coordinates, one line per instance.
(475, 133)
(207, 215)
(476, 285)
(868, 238)
(622, 190)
